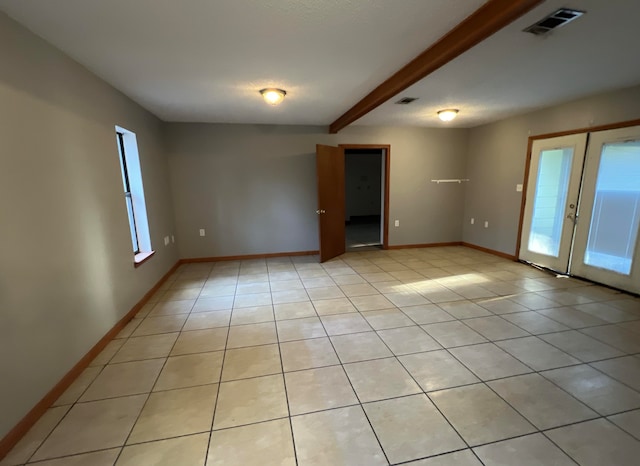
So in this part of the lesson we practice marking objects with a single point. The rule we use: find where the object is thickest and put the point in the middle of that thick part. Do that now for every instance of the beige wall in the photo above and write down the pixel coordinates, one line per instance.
(66, 264)
(253, 187)
(497, 157)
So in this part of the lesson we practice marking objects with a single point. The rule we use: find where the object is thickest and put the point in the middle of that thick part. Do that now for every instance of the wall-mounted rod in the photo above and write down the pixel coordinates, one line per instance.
(450, 181)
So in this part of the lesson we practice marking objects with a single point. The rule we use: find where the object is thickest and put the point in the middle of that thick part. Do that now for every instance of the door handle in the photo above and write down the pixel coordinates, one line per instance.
(574, 218)
(320, 211)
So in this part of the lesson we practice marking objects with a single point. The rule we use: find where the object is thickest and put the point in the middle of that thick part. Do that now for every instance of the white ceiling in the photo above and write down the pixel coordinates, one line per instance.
(205, 60)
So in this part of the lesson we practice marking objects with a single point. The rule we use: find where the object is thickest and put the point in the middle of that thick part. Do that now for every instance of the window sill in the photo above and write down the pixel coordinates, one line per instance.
(141, 258)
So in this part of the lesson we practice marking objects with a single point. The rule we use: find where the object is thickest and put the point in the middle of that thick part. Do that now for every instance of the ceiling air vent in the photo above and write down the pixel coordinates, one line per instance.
(406, 100)
(553, 21)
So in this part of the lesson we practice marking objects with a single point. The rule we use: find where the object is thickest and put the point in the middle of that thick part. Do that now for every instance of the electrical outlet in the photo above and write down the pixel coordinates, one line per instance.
(486, 224)
(473, 220)
(166, 241)
(519, 188)
(397, 223)
(201, 231)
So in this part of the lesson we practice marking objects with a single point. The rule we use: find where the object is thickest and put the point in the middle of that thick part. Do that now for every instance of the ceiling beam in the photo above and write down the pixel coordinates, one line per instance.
(483, 23)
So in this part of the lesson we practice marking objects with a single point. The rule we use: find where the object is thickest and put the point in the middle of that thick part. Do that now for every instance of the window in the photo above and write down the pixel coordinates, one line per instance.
(134, 193)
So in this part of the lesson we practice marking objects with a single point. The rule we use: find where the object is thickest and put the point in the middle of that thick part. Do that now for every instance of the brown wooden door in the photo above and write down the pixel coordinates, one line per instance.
(331, 210)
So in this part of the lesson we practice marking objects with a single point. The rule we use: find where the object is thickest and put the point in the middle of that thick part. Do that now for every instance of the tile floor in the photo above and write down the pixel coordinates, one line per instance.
(443, 356)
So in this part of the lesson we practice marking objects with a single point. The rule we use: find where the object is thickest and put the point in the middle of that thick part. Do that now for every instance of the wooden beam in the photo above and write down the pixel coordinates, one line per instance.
(483, 23)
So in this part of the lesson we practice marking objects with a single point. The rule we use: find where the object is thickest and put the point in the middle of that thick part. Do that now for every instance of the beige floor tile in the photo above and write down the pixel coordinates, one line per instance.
(78, 387)
(371, 303)
(615, 336)
(267, 444)
(495, 328)
(536, 353)
(325, 292)
(300, 329)
(407, 298)
(625, 370)
(358, 289)
(380, 379)
(290, 296)
(535, 301)
(200, 341)
(408, 340)
(349, 279)
(501, 306)
(215, 291)
(459, 458)
(180, 294)
(600, 392)
(254, 287)
(605, 312)
(318, 282)
(175, 412)
(252, 315)
(530, 450)
(427, 314)
(464, 309)
(294, 310)
(337, 436)
(252, 335)
(452, 334)
(149, 347)
(437, 370)
(285, 285)
(596, 443)
(107, 353)
(629, 422)
(318, 389)
(92, 426)
(219, 303)
(411, 427)
(393, 286)
(184, 451)
(129, 378)
(28, 444)
(340, 324)
(360, 347)
(204, 320)
(541, 402)
(307, 354)
(571, 317)
(487, 361)
(98, 458)
(190, 370)
(252, 300)
(160, 324)
(251, 400)
(387, 318)
(253, 361)
(479, 415)
(581, 346)
(325, 307)
(164, 308)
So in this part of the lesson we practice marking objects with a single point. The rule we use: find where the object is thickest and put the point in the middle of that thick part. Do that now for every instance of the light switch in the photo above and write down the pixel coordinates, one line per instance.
(166, 241)
(473, 220)
(397, 223)
(486, 224)
(201, 231)
(173, 239)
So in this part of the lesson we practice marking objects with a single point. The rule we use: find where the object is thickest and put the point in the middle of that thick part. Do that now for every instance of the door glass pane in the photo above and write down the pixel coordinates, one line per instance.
(552, 185)
(616, 208)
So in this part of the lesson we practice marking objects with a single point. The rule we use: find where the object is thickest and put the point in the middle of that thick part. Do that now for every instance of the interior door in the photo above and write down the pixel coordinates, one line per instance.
(331, 197)
(606, 244)
(552, 196)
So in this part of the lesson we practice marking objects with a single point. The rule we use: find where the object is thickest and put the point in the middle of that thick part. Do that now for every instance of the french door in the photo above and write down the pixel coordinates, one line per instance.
(582, 211)
(552, 198)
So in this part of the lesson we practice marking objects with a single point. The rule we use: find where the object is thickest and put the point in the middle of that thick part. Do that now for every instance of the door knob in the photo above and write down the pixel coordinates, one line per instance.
(320, 211)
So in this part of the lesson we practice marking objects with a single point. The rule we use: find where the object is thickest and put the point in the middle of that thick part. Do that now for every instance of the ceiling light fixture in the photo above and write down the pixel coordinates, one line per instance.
(273, 96)
(448, 114)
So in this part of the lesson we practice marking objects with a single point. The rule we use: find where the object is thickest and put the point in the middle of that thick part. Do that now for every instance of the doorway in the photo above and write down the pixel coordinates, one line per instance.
(332, 203)
(582, 207)
(364, 206)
